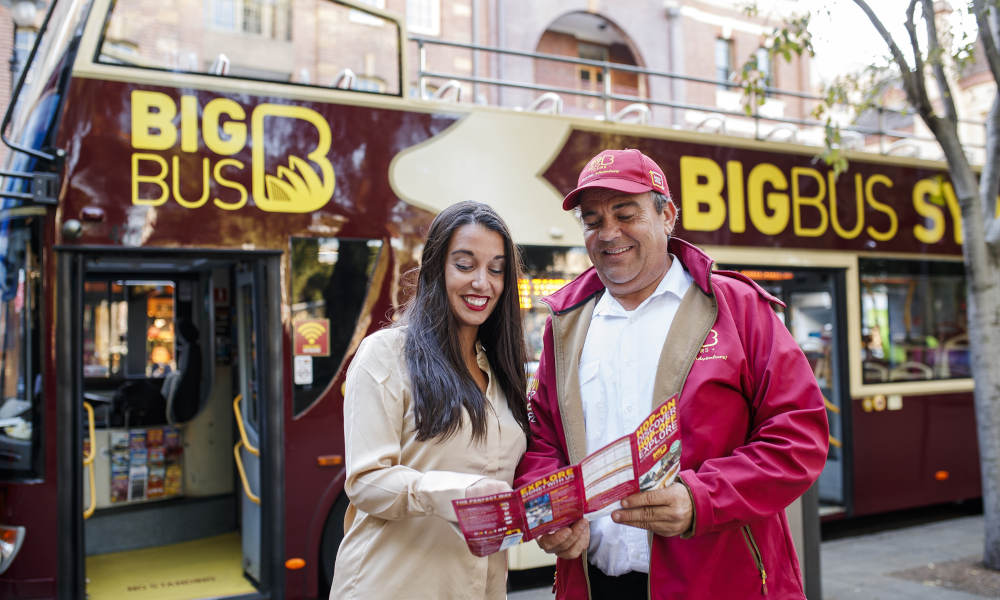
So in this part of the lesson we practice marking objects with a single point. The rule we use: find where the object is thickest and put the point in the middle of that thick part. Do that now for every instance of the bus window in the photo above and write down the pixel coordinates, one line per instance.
(128, 329)
(330, 281)
(20, 373)
(318, 42)
(546, 269)
(913, 322)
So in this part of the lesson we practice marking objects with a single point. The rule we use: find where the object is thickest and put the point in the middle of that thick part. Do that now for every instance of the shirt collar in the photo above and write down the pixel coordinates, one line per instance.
(675, 282)
(481, 360)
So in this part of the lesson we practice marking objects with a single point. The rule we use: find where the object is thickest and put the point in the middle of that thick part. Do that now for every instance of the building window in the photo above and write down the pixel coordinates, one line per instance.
(269, 18)
(723, 61)
(423, 16)
(364, 18)
(591, 76)
(765, 66)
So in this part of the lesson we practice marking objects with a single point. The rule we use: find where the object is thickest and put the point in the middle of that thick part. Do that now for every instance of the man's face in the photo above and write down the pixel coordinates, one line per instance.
(627, 241)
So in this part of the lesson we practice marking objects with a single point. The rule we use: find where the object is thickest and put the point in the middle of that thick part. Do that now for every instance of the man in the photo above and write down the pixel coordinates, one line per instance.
(651, 319)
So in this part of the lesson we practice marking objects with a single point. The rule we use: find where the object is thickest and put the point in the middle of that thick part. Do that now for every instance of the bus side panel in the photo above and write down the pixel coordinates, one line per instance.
(924, 452)
(33, 574)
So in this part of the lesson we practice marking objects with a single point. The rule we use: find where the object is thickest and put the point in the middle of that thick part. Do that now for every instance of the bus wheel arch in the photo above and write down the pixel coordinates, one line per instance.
(333, 535)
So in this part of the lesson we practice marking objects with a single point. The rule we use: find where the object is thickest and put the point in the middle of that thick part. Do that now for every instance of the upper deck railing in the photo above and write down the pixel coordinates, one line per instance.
(784, 115)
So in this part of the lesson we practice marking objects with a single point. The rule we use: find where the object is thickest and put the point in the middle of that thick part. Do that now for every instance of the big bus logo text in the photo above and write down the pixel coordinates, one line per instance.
(772, 201)
(295, 188)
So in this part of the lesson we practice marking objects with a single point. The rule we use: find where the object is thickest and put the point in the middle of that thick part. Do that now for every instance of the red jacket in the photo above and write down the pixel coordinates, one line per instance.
(754, 432)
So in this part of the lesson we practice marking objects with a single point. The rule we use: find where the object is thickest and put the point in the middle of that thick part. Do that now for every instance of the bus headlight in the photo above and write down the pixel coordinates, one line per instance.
(11, 539)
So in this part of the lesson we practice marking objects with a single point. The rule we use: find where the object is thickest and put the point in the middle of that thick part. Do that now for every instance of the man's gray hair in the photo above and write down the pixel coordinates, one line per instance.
(660, 200)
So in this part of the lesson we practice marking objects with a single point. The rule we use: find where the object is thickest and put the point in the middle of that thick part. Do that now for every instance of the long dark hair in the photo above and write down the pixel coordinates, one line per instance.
(442, 385)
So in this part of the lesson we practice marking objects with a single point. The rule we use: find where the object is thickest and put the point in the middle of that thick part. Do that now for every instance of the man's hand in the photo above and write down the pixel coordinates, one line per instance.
(567, 542)
(666, 512)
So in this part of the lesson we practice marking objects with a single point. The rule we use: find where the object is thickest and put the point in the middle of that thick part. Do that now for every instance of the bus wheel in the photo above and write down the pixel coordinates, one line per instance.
(333, 534)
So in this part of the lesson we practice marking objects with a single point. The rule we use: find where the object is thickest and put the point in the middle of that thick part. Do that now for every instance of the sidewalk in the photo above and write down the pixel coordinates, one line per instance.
(936, 561)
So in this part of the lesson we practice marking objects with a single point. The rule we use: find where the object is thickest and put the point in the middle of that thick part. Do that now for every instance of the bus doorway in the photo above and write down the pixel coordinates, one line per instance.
(815, 315)
(175, 414)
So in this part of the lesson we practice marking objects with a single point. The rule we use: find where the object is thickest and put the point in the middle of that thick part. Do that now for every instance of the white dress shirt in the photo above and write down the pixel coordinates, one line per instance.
(617, 371)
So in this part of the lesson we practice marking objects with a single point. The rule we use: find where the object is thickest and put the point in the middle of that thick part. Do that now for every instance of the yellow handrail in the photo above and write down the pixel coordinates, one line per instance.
(244, 442)
(88, 461)
(243, 475)
(239, 423)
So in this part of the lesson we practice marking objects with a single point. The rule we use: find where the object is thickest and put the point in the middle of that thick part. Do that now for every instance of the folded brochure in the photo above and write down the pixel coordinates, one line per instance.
(645, 459)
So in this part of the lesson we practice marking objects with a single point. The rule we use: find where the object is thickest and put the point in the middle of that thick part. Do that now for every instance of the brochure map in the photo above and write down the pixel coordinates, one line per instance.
(645, 459)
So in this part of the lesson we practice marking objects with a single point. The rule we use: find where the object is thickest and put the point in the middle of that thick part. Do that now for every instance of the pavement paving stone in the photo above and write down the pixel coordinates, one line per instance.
(861, 567)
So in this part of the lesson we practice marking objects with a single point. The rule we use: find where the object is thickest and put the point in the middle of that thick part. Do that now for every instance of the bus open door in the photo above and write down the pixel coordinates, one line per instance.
(176, 456)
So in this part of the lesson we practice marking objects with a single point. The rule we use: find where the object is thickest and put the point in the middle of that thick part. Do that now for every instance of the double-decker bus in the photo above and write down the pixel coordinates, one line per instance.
(193, 251)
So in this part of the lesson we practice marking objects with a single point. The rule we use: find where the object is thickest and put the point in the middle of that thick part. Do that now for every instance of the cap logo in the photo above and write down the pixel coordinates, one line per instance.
(657, 180)
(603, 160)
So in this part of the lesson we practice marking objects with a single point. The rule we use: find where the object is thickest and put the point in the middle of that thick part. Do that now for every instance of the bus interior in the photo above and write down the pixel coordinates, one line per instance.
(173, 386)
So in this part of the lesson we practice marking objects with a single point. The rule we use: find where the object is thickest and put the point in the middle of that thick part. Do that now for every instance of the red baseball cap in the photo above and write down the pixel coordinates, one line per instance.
(628, 171)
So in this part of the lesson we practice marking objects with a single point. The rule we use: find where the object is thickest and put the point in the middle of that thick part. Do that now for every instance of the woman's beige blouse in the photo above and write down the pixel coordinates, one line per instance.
(397, 542)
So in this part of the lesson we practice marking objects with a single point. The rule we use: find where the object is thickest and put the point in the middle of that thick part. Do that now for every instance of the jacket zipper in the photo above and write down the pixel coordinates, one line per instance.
(758, 559)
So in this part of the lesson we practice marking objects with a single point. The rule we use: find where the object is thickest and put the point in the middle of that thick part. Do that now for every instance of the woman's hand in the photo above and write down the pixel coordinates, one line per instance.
(485, 487)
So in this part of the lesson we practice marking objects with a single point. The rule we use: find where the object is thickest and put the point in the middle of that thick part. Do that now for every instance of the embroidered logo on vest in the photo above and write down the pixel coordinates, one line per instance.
(709, 350)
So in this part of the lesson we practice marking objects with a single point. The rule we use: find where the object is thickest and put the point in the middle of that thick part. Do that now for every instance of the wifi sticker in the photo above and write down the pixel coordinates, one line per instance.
(312, 337)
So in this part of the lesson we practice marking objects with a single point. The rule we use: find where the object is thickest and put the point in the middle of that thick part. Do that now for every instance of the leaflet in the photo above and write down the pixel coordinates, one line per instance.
(643, 460)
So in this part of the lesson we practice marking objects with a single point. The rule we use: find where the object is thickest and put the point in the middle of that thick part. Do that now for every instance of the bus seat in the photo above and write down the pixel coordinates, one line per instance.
(549, 103)
(636, 112)
(220, 66)
(182, 387)
(137, 403)
(958, 343)
(876, 371)
(910, 370)
(344, 80)
(452, 85)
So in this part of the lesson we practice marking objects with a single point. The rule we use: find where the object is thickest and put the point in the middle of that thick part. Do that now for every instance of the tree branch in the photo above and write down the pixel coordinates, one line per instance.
(937, 63)
(922, 101)
(911, 81)
(986, 20)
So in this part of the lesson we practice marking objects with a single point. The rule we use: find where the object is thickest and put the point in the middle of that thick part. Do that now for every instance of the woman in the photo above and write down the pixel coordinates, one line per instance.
(435, 410)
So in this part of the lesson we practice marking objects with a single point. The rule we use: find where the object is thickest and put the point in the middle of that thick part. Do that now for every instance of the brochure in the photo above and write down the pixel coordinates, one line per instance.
(646, 459)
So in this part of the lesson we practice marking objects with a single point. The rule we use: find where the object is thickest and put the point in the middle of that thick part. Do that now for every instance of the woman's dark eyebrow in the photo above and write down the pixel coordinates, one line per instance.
(462, 251)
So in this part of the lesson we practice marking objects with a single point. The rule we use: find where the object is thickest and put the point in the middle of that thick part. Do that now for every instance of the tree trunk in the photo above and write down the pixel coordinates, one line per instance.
(983, 284)
(982, 273)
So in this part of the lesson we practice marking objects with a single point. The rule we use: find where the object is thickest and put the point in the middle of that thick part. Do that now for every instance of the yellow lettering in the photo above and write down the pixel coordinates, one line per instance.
(702, 207)
(777, 221)
(924, 194)
(879, 206)
(737, 206)
(217, 171)
(859, 199)
(235, 130)
(152, 120)
(956, 212)
(176, 177)
(297, 188)
(798, 200)
(189, 124)
(154, 179)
